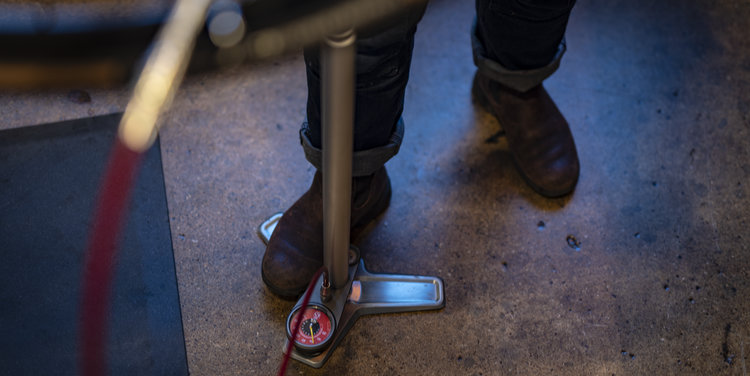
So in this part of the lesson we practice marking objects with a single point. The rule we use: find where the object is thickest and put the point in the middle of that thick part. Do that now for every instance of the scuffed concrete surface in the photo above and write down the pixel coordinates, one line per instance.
(656, 95)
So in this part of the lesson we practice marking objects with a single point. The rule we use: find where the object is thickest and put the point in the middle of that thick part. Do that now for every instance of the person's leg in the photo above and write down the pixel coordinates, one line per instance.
(517, 44)
(295, 250)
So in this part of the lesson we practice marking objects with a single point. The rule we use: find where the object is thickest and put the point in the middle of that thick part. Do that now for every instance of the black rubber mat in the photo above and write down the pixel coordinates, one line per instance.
(49, 176)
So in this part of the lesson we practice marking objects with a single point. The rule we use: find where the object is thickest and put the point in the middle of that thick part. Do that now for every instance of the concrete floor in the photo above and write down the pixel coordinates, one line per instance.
(656, 95)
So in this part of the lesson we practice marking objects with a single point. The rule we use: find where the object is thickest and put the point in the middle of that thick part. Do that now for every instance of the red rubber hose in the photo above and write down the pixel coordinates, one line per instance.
(109, 219)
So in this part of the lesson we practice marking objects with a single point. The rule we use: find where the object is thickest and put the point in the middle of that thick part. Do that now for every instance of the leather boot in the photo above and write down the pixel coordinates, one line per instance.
(295, 250)
(539, 137)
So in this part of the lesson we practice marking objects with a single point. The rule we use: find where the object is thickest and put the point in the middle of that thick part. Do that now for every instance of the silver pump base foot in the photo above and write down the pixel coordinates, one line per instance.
(369, 293)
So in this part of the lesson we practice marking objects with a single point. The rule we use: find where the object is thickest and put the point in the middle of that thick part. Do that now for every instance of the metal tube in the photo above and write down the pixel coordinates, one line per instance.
(162, 74)
(337, 80)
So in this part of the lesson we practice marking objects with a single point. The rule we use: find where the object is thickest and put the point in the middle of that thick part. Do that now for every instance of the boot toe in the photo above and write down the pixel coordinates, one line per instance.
(558, 178)
(286, 271)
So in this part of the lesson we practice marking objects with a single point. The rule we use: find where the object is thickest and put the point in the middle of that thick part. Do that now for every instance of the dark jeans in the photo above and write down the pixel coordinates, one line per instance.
(518, 43)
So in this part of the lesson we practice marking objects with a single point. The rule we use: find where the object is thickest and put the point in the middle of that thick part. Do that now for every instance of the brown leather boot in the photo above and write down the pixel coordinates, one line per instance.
(295, 250)
(538, 135)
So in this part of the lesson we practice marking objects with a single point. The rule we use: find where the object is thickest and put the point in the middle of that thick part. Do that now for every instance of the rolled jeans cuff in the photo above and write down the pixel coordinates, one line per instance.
(365, 162)
(521, 80)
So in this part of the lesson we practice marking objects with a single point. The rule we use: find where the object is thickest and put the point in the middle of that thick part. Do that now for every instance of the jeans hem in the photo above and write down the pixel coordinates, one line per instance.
(520, 80)
(365, 162)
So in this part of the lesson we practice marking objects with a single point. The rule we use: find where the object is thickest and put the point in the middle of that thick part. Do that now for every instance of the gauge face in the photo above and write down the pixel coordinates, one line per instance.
(316, 329)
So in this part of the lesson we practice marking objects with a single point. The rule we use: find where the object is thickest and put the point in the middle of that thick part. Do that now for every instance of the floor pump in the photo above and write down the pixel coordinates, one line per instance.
(350, 291)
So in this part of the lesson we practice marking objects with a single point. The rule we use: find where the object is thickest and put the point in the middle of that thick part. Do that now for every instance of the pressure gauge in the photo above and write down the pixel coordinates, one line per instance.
(316, 331)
